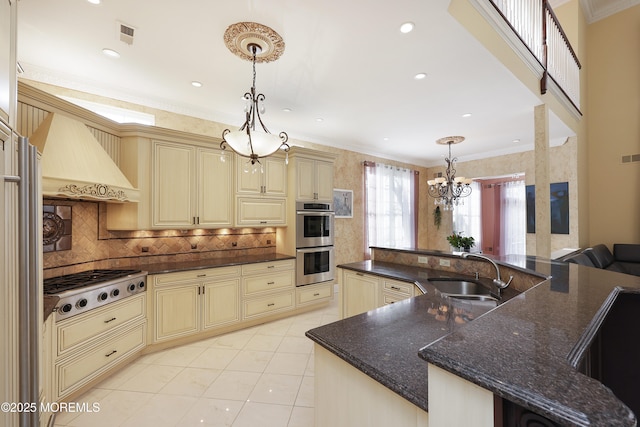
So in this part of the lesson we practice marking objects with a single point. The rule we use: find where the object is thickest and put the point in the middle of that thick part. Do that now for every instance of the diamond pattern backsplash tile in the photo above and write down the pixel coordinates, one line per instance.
(93, 246)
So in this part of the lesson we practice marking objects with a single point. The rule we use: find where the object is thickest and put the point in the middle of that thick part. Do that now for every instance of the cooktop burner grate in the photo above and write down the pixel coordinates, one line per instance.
(56, 285)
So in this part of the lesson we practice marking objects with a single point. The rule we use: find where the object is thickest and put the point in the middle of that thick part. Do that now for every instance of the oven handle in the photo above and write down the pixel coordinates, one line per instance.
(315, 249)
(316, 213)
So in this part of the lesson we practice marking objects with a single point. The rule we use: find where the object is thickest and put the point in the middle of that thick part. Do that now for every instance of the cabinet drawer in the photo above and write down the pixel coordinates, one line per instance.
(192, 275)
(268, 267)
(392, 297)
(267, 282)
(313, 293)
(256, 307)
(81, 329)
(73, 374)
(398, 287)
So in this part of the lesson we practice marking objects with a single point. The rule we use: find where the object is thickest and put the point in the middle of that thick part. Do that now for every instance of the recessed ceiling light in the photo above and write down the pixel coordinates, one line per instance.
(319, 119)
(94, 1)
(286, 110)
(385, 138)
(196, 84)
(420, 76)
(516, 140)
(465, 115)
(407, 27)
(110, 52)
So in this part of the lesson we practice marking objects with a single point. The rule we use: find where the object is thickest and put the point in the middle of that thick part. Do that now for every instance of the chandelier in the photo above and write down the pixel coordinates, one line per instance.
(448, 191)
(255, 42)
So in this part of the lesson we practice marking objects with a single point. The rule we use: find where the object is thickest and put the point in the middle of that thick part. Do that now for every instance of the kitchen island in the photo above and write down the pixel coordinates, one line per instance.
(525, 352)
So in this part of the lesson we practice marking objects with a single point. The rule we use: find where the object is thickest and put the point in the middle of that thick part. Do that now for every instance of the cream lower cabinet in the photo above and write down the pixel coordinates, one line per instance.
(360, 292)
(88, 345)
(191, 186)
(268, 288)
(363, 292)
(186, 303)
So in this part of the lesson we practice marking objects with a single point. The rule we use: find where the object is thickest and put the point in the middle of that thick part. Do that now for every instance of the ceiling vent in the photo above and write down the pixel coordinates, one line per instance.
(126, 33)
(631, 158)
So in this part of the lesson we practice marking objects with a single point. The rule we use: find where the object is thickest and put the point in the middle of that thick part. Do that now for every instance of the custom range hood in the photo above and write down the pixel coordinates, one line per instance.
(74, 164)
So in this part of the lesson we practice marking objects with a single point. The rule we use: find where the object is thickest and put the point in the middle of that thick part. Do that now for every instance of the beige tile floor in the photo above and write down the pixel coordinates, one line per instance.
(261, 376)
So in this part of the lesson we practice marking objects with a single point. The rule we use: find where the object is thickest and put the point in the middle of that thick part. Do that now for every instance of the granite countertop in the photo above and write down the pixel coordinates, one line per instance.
(50, 301)
(384, 343)
(172, 267)
(524, 350)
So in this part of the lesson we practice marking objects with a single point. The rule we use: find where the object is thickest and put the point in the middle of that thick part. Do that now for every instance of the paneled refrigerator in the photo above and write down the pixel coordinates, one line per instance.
(20, 269)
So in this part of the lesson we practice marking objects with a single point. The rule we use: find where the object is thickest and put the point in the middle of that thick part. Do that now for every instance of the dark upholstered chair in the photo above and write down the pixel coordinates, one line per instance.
(581, 259)
(600, 256)
(625, 257)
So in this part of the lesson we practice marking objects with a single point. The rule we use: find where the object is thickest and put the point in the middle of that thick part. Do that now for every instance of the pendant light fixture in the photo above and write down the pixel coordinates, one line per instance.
(257, 43)
(449, 190)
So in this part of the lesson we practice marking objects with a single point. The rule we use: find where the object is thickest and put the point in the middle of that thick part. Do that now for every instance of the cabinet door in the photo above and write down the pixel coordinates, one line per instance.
(221, 303)
(360, 293)
(324, 181)
(7, 60)
(214, 188)
(305, 179)
(255, 212)
(174, 172)
(275, 177)
(176, 311)
(248, 178)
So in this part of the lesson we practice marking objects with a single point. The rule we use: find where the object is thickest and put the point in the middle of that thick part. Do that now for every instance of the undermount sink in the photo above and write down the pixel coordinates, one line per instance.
(459, 287)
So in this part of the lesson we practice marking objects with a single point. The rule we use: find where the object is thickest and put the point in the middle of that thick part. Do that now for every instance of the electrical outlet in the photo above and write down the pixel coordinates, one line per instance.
(145, 249)
(445, 262)
(423, 259)
(194, 246)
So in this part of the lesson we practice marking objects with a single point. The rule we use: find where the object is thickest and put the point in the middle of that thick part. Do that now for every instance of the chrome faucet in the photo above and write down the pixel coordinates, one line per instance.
(497, 281)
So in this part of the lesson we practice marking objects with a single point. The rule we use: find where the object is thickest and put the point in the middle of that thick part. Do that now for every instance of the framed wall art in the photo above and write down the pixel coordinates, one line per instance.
(343, 203)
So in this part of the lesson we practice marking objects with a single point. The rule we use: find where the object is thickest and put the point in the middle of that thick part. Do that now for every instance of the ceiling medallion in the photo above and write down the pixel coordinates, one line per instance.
(239, 36)
(448, 140)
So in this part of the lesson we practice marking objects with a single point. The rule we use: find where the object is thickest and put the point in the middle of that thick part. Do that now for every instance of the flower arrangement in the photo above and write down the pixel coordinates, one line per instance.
(458, 241)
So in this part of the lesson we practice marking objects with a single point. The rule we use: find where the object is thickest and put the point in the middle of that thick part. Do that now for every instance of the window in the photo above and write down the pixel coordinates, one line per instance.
(467, 216)
(390, 206)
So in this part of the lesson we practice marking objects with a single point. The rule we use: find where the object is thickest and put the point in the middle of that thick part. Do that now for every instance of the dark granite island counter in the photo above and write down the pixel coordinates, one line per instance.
(526, 351)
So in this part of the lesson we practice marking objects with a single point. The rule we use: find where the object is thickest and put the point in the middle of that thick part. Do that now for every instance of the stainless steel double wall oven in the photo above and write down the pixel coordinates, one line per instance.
(314, 242)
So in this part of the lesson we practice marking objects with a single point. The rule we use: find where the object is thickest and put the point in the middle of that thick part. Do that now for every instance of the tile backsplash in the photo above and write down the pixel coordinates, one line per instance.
(95, 247)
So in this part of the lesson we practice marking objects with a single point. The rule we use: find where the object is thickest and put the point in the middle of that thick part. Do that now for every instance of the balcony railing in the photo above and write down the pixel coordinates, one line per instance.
(535, 24)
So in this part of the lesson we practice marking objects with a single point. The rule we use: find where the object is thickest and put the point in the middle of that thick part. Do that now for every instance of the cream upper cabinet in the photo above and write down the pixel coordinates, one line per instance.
(191, 186)
(314, 179)
(269, 178)
(8, 61)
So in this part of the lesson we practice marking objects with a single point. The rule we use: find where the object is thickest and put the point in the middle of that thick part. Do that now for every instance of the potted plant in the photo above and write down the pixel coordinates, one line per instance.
(461, 243)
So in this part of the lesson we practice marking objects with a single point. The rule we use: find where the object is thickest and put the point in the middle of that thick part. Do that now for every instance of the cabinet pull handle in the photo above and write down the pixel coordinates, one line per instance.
(395, 288)
(110, 320)
(111, 354)
(359, 274)
(194, 220)
(316, 295)
(270, 283)
(271, 304)
(202, 275)
(271, 266)
(263, 222)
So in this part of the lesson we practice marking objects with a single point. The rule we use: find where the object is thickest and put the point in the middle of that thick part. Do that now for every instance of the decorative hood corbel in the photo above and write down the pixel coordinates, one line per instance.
(74, 164)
